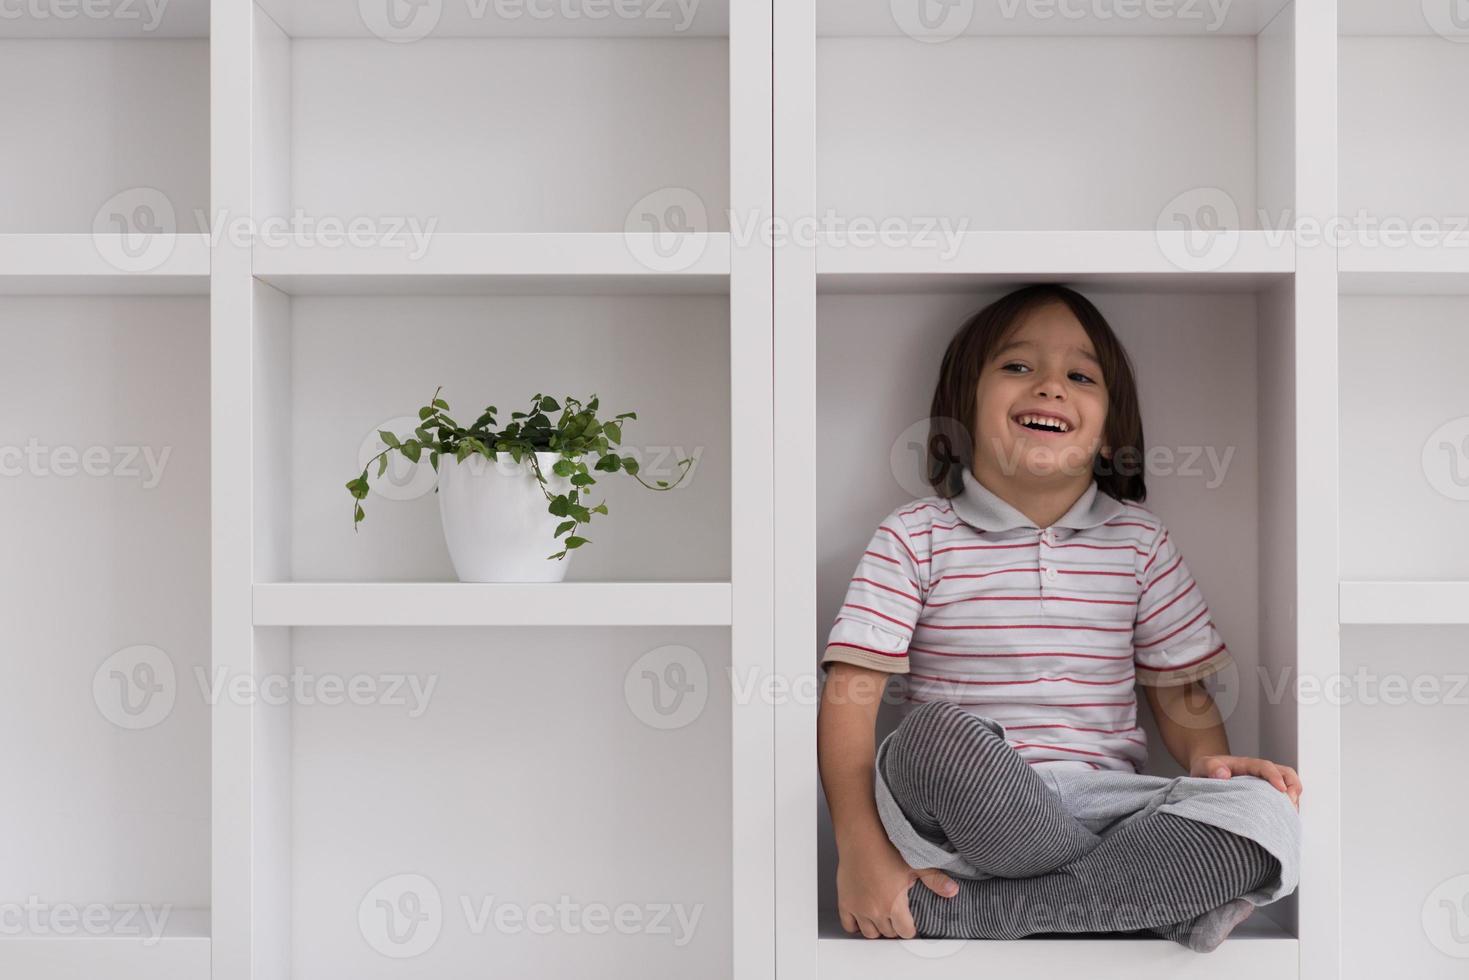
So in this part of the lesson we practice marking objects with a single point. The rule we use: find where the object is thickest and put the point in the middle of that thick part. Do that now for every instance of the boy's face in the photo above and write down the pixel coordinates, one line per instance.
(1046, 367)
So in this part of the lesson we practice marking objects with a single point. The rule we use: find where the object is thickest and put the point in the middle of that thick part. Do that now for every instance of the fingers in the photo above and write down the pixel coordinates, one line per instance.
(939, 883)
(1270, 771)
(903, 926)
(1292, 784)
(873, 927)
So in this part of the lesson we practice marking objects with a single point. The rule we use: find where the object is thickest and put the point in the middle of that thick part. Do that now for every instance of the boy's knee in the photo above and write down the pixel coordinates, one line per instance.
(939, 723)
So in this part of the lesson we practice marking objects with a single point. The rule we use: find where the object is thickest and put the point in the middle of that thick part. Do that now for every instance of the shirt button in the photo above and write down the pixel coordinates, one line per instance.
(1051, 573)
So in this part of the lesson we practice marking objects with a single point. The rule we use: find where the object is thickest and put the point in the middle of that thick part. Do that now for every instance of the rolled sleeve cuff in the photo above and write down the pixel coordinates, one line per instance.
(866, 646)
(842, 653)
(1188, 669)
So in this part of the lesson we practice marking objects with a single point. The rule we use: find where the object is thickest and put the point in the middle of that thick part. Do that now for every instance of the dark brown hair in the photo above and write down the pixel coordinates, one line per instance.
(950, 441)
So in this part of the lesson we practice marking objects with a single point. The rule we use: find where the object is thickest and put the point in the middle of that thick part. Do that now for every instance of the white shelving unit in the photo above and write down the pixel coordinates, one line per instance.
(1006, 144)
(104, 498)
(542, 198)
(1404, 280)
(238, 240)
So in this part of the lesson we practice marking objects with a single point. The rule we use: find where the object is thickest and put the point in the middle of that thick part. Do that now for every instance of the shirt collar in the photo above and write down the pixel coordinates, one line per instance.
(986, 510)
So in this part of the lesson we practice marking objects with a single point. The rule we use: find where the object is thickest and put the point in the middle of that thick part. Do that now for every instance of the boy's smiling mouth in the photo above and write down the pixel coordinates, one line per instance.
(1042, 423)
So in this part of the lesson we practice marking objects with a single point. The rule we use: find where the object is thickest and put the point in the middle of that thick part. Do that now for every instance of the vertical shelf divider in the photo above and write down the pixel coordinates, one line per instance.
(797, 778)
(237, 861)
(752, 497)
(1316, 633)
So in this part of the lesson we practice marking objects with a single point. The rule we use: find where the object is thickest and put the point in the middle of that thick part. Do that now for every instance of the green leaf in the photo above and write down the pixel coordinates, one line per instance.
(412, 449)
(630, 464)
(358, 515)
(562, 467)
(583, 480)
(382, 464)
(549, 404)
(600, 508)
(440, 403)
(608, 464)
(388, 438)
(563, 527)
(425, 412)
(614, 431)
(575, 542)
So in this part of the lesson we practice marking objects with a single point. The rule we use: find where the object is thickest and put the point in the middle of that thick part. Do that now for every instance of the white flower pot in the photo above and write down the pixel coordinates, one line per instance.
(495, 519)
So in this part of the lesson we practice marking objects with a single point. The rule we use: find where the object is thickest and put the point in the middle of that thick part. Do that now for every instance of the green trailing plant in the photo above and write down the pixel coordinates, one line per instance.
(577, 434)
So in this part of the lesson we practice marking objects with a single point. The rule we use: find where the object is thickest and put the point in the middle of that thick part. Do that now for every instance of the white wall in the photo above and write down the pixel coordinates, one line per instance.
(95, 811)
(361, 362)
(86, 120)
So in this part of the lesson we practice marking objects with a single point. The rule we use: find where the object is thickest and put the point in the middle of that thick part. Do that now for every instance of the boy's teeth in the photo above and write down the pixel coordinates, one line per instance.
(1056, 424)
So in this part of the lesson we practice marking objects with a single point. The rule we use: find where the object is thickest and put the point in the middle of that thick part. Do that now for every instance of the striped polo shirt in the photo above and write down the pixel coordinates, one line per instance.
(1045, 630)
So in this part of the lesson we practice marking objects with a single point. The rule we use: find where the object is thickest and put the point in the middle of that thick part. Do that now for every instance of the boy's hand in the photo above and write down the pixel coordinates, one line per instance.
(1283, 778)
(872, 894)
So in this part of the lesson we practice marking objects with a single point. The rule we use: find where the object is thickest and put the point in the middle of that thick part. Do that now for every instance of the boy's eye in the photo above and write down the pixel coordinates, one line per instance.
(1081, 377)
(1014, 364)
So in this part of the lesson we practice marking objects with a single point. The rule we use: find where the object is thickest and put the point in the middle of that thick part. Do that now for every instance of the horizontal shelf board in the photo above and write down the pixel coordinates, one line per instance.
(181, 954)
(493, 604)
(1404, 269)
(1404, 602)
(500, 263)
(1140, 258)
(880, 18)
(46, 264)
(1258, 947)
(500, 18)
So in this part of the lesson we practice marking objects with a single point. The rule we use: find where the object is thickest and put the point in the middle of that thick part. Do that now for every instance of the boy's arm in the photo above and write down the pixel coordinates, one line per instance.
(1193, 732)
(1188, 720)
(846, 751)
(872, 877)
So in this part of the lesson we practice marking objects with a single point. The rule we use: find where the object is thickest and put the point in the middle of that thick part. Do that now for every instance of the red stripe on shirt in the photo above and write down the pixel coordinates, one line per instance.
(1164, 670)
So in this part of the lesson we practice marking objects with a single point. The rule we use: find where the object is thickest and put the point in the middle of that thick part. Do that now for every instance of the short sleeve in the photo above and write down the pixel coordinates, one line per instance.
(875, 623)
(1174, 638)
